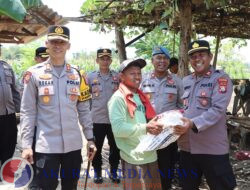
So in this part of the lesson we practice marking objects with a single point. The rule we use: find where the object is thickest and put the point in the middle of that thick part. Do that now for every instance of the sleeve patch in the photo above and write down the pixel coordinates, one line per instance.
(222, 85)
(26, 77)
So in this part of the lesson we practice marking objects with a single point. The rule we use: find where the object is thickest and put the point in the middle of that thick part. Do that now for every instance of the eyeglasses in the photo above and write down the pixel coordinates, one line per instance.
(198, 56)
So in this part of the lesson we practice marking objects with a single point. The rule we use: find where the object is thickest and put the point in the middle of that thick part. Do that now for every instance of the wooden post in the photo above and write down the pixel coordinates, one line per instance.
(185, 35)
(120, 44)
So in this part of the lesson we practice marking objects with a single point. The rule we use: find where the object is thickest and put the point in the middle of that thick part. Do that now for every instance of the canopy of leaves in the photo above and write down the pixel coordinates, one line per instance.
(16, 9)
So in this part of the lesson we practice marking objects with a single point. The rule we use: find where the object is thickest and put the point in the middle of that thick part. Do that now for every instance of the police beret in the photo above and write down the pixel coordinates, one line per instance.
(58, 33)
(104, 52)
(160, 50)
(198, 45)
(132, 62)
(41, 52)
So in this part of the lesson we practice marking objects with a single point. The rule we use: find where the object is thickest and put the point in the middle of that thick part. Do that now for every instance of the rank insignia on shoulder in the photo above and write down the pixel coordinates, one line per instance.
(26, 77)
(222, 85)
(45, 76)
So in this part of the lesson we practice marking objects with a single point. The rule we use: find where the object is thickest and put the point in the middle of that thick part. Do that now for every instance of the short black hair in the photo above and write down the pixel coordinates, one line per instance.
(173, 61)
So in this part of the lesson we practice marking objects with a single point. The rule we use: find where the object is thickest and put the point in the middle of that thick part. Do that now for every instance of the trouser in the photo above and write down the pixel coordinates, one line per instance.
(167, 158)
(216, 169)
(48, 167)
(100, 132)
(8, 137)
(141, 177)
(33, 184)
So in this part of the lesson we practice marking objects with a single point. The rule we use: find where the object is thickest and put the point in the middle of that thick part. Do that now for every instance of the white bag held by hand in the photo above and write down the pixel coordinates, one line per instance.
(151, 142)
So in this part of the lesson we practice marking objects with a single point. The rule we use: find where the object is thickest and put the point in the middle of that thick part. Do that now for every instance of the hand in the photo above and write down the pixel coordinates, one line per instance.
(91, 150)
(182, 129)
(153, 127)
(27, 154)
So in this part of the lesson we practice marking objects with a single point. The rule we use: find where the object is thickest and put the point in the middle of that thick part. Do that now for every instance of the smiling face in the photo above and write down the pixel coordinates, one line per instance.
(160, 62)
(131, 77)
(200, 62)
(57, 48)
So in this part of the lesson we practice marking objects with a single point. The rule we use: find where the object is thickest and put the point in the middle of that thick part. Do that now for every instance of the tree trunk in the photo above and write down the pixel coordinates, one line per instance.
(120, 44)
(185, 35)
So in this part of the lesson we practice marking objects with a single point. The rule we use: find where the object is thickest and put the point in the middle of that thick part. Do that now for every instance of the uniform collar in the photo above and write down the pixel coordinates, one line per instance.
(207, 75)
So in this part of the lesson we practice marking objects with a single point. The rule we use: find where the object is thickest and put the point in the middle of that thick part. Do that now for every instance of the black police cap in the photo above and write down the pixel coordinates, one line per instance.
(42, 52)
(104, 52)
(58, 33)
(198, 45)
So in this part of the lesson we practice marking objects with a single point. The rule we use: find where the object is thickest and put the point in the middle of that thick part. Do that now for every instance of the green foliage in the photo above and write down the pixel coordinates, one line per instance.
(155, 38)
(16, 9)
(20, 57)
(230, 60)
(87, 61)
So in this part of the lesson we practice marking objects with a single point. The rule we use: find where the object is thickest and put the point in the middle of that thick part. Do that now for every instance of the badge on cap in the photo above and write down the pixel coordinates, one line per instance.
(46, 99)
(59, 30)
(195, 45)
(222, 85)
(26, 77)
(45, 76)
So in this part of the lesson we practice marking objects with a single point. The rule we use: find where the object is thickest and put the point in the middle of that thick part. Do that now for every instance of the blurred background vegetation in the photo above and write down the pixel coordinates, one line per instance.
(21, 57)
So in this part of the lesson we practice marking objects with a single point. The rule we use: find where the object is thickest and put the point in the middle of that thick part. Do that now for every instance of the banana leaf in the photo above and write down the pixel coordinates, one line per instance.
(17, 9)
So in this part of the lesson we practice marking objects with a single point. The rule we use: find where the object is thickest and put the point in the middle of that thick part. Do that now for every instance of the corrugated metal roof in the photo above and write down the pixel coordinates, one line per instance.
(34, 25)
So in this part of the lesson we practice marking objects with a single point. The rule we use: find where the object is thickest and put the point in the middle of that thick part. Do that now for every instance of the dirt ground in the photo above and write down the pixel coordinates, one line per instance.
(241, 169)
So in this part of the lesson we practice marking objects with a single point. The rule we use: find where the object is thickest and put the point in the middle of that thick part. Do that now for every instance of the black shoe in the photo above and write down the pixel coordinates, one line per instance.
(114, 178)
(98, 177)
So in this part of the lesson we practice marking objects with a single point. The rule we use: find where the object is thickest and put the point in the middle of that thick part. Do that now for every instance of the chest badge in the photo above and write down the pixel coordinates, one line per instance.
(204, 102)
(45, 76)
(46, 99)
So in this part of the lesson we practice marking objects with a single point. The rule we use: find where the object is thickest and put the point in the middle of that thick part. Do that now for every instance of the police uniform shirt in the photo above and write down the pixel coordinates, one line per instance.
(50, 102)
(205, 102)
(164, 94)
(9, 95)
(102, 88)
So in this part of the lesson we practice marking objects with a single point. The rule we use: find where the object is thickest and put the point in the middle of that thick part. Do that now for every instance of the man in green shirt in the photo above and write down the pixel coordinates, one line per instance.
(129, 111)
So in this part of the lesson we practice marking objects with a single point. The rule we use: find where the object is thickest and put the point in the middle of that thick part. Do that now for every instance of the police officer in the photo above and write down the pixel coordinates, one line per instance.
(204, 143)
(103, 83)
(54, 102)
(41, 55)
(9, 105)
(164, 90)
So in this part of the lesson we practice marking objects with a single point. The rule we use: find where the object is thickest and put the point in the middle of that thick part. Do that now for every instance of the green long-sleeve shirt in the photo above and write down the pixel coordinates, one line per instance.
(127, 131)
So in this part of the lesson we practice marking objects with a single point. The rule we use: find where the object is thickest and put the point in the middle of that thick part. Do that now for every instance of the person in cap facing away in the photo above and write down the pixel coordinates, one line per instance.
(54, 102)
(41, 55)
(204, 148)
(129, 111)
(173, 65)
(164, 91)
(103, 83)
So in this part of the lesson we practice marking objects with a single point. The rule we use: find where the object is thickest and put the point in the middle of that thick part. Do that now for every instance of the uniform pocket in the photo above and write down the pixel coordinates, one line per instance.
(203, 98)
(73, 92)
(46, 95)
(171, 94)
